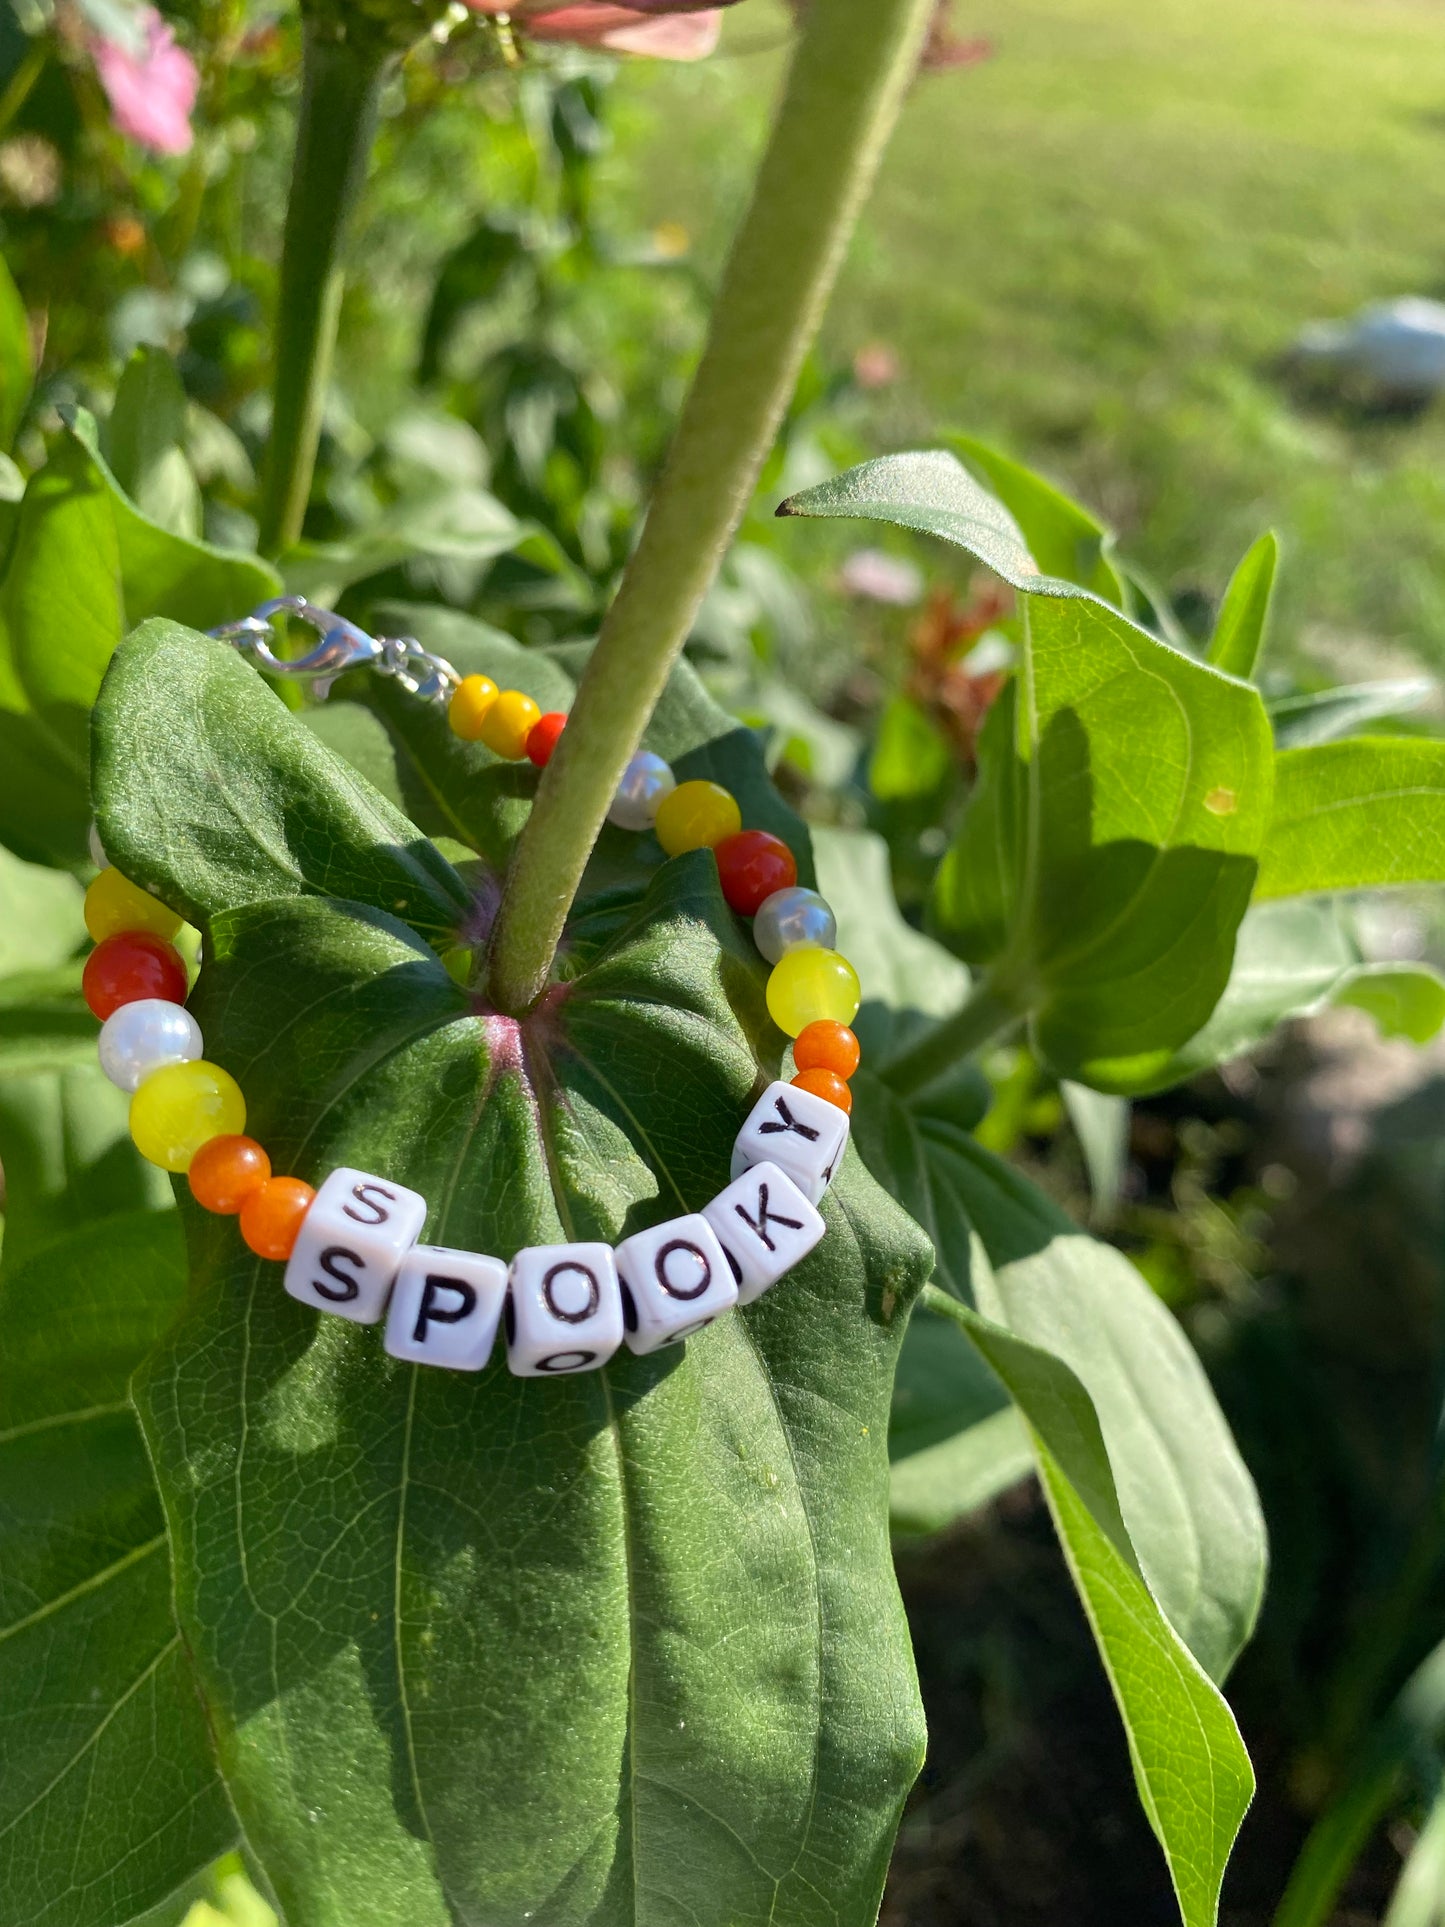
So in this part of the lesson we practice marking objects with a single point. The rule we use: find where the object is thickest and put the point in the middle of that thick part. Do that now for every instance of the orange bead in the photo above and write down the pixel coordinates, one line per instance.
(825, 1085)
(225, 1171)
(827, 1046)
(271, 1216)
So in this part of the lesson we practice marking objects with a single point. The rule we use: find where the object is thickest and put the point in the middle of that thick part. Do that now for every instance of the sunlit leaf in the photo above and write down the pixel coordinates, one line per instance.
(1239, 631)
(85, 565)
(1347, 815)
(1190, 1766)
(1064, 539)
(1108, 851)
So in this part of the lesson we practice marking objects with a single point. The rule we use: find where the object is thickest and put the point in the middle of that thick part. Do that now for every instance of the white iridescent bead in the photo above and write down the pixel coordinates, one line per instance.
(145, 1036)
(97, 849)
(645, 781)
(790, 917)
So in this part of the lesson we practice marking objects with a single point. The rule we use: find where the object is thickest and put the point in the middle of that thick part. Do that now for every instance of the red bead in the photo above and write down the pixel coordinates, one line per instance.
(542, 739)
(752, 865)
(126, 968)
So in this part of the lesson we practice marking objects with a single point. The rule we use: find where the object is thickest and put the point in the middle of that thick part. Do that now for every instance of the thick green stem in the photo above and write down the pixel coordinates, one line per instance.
(340, 89)
(848, 77)
(983, 1020)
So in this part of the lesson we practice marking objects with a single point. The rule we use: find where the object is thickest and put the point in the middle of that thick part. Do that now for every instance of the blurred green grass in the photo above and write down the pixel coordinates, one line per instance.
(1093, 249)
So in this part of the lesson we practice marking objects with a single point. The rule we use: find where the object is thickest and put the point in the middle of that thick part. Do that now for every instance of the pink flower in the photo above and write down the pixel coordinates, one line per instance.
(666, 29)
(151, 89)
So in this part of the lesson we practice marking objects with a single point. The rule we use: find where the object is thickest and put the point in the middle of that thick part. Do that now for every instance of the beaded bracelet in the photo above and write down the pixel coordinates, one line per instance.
(350, 1247)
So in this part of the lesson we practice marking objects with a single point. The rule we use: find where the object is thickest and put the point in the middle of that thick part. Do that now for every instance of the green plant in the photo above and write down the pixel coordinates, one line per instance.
(627, 1648)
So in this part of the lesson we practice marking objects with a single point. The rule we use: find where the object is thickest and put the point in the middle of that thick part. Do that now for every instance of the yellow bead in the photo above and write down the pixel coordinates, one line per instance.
(810, 984)
(696, 816)
(468, 708)
(114, 907)
(508, 723)
(181, 1107)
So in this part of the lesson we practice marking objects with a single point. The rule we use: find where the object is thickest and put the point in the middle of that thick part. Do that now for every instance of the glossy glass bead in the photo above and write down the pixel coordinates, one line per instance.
(543, 739)
(97, 849)
(272, 1217)
(140, 1037)
(696, 816)
(826, 1046)
(122, 970)
(114, 906)
(225, 1171)
(792, 917)
(753, 866)
(645, 782)
(827, 1085)
(181, 1107)
(810, 982)
(469, 706)
(508, 723)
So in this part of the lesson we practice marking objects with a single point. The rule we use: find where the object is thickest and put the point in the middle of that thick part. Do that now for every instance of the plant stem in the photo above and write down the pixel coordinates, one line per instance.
(340, 89)
(849, 74)
(983, 1019)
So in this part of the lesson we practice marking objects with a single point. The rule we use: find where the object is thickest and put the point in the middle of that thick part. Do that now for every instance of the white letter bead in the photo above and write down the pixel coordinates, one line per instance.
(446, 1307)
(352, 1242)
(804, 1134)
(675, 1279)
(764, 1225)
(564, 1310)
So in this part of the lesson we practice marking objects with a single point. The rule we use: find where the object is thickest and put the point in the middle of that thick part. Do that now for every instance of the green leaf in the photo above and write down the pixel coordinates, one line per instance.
(1062, 536)
(44, 1022)
(1239, 631)
(1190, 1765)
(1106, 858)
(909, 756)
(1108, 851)
(145, 443)
(1189, 1504)
(40, 916)
(1329, 714)
(1351, 815)
(955, 1440)
(213, 800)
(673, 1577)
(933, 492)
(1292, 958)
(17, 358)
(84, 566)
(110, 1798)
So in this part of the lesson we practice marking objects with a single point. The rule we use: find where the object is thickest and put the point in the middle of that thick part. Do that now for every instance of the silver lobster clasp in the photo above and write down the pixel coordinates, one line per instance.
(342, 646)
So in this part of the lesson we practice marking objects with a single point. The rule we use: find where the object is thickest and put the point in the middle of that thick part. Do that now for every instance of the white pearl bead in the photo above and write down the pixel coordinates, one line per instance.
(97, 849)
(142, 1037)
(645, 781)
(790, 917)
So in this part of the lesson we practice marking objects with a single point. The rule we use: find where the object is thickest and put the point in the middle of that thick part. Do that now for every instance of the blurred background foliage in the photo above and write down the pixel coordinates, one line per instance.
(1092, 248)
